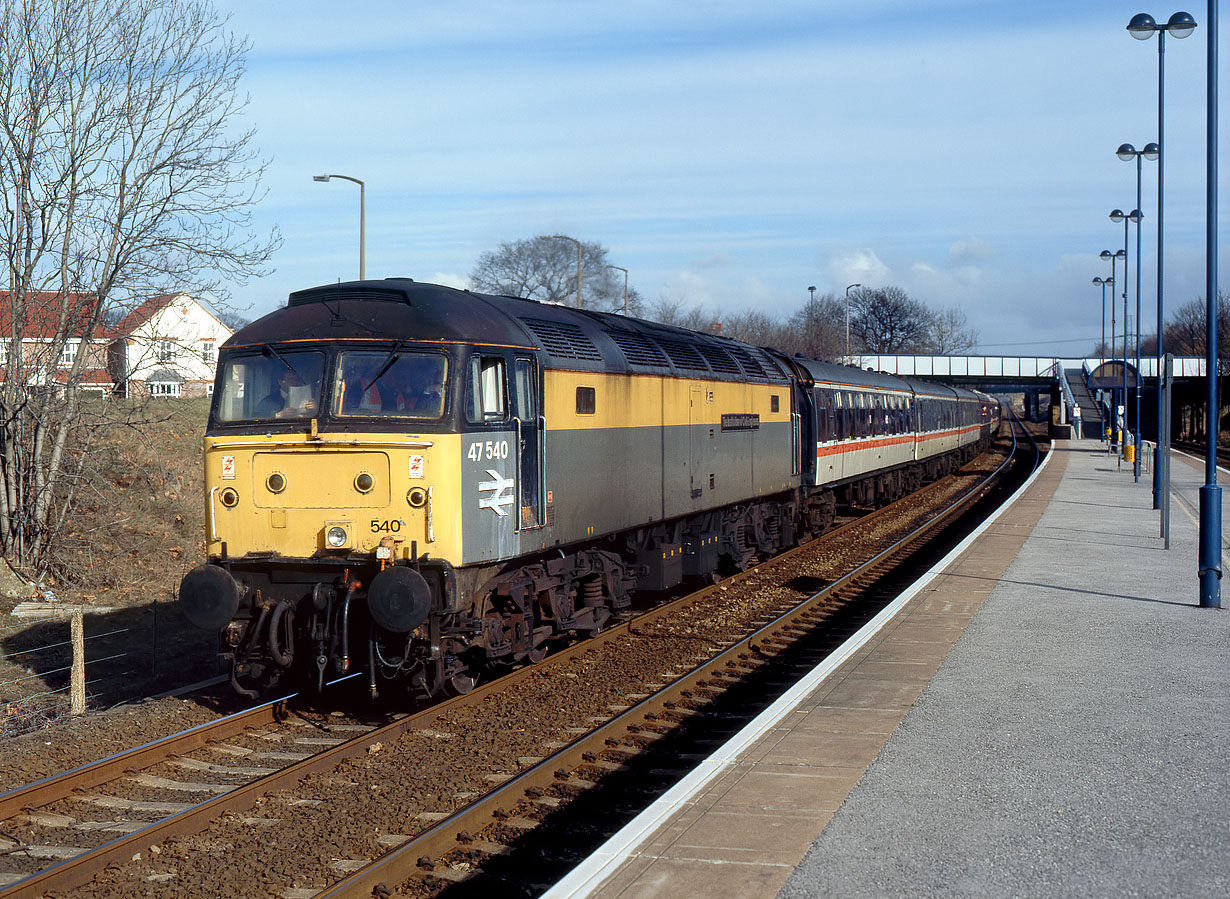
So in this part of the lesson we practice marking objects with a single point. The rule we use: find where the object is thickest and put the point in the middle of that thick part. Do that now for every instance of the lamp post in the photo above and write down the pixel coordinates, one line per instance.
(578, 243)
(625, 271)
(1210, 493)
(1142, 26)
(848, 319)
(362, 214)
(1117, 215)
(1127, 153)
(1102, 346)
(1118, 254)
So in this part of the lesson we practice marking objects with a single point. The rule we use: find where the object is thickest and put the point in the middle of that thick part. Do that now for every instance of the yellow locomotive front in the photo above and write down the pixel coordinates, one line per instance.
(311, 492)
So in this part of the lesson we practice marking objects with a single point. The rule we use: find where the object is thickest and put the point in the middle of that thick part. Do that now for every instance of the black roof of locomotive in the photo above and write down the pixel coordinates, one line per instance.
(383, 310)
(401, 309)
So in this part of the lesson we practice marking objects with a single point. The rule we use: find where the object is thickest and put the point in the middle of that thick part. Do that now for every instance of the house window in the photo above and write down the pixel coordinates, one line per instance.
(166, 351)
(207, 352)
(164, 388)
(68, 353)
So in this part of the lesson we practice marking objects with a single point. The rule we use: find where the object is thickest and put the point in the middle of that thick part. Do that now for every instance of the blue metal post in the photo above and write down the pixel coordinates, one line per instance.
(1140, 215)
(1160, 484)
(1126, 259)
(1210, 493)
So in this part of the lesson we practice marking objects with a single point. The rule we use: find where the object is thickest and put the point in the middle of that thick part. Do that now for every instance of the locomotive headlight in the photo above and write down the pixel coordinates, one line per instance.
(336, 536)
(276, 482)
(417, 497)
(229, 498)
(363, 482)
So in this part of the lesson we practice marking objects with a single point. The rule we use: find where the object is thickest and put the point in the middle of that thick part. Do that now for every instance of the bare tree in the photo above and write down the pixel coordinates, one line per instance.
(545, 268)
(124, 176)
(887, 320)
(1187, 331)
(754, 327)
(817, 330)
(950, 333)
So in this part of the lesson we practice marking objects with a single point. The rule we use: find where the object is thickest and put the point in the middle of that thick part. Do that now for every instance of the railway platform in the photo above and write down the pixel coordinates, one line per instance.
(1047, 714)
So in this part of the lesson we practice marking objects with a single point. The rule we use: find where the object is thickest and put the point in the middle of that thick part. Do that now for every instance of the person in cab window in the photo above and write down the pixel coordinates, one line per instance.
(360, 393)
(290, 398)
(418, 393)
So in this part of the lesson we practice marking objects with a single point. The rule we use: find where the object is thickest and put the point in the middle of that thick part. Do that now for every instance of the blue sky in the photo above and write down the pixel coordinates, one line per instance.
(730, 155)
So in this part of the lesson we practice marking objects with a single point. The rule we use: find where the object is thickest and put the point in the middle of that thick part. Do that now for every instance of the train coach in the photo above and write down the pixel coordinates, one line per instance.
(425, 482)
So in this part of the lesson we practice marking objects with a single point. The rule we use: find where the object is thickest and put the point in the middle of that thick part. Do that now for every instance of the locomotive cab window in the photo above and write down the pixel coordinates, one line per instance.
(774, 403)
(486, 394)
(272, 384)
(381, 383)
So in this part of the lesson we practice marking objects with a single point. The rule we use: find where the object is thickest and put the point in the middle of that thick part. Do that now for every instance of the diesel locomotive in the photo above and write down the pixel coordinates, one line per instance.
(424, 482)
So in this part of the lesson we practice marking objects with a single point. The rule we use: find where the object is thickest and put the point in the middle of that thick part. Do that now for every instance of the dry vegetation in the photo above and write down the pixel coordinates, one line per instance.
(139, 523)
(137, 527)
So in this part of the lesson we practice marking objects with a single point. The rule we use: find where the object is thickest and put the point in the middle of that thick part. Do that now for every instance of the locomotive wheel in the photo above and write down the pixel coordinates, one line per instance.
(458, 684)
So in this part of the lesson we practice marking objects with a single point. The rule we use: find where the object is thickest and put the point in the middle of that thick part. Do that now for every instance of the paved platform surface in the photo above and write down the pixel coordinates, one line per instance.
(1050, 716)
(1075, 740)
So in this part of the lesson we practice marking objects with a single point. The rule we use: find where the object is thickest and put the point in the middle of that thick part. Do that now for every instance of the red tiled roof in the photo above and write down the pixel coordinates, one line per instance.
(42, 315)
(143, 313)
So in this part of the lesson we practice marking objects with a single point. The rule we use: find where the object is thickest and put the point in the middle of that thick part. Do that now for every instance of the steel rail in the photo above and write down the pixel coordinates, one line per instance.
(59, 786)
(453, 832)
(70, 873)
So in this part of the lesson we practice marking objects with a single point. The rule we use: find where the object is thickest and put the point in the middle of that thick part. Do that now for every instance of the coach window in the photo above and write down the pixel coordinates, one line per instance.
(824, 415)
(486, 394)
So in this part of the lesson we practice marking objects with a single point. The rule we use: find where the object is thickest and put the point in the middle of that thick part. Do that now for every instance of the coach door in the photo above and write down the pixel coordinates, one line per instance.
(531, 438)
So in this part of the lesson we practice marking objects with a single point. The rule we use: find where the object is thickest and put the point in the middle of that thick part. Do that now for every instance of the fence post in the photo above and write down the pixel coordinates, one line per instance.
(77, 680)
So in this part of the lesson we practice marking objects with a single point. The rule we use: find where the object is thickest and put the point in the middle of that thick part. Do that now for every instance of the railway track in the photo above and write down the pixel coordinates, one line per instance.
(495, 845)
(1199, 450)
(523, 811)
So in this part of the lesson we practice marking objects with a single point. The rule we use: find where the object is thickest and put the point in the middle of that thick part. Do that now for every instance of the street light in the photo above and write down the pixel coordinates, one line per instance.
(578, 243)
(1127, 153)
(625, 271)
(1210, 494)
(362, 213)
(1102, 347)
(1119, 254)
(848, 319)
(1142, 27)
(1118, 215)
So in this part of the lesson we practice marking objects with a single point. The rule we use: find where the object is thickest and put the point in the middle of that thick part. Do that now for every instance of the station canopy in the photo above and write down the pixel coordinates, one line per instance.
(1110, 374)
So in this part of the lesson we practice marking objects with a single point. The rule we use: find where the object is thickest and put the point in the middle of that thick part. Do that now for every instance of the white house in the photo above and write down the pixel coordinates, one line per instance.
(167, 346)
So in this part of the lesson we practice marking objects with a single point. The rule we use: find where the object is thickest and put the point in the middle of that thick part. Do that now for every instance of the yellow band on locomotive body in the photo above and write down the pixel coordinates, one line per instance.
(642, 401)
(283, 493)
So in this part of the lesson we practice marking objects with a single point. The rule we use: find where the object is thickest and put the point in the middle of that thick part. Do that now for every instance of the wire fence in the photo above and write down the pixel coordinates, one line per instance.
(72, 659)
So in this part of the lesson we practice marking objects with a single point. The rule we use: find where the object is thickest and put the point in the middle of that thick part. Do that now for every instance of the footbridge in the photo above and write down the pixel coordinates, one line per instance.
(1082, 391)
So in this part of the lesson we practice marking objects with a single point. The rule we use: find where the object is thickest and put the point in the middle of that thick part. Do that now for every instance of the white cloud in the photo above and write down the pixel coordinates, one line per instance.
(856, 266)
(448, 279)
(970, 250)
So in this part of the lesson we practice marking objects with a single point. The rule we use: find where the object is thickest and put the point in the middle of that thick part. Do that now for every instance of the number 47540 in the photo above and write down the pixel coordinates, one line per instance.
(489, 449)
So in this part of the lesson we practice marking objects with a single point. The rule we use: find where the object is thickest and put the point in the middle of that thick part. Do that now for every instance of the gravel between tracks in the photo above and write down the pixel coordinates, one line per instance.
(305, 837)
